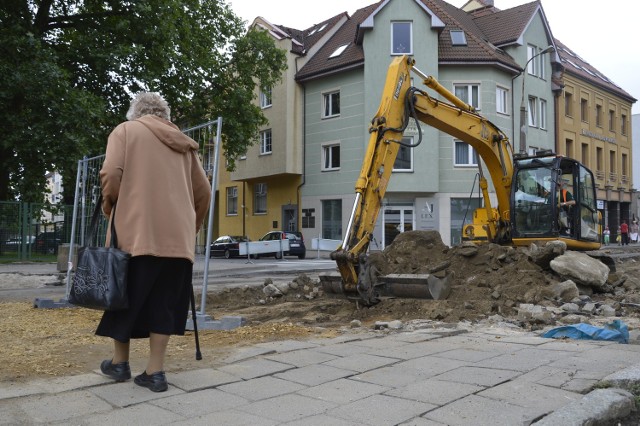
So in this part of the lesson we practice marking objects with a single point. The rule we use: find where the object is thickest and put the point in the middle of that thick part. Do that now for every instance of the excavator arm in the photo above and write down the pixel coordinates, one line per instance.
(399, 104)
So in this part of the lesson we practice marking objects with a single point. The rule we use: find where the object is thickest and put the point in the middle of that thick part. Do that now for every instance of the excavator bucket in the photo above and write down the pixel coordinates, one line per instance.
(414, 286)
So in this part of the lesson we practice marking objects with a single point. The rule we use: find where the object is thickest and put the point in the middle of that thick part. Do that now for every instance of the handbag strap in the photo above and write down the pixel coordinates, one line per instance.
(93, 228)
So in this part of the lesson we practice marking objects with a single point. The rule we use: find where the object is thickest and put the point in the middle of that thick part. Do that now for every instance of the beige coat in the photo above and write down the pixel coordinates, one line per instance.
(152, 170)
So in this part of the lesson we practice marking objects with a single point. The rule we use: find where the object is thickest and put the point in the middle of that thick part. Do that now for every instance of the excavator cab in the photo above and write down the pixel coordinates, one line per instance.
(554, 198)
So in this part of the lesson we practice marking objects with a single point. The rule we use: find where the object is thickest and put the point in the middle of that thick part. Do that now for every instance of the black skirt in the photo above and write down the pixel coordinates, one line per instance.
(159, 291)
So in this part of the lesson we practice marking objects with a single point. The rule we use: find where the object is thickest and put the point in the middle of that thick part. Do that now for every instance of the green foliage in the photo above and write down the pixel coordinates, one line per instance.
(68, 68)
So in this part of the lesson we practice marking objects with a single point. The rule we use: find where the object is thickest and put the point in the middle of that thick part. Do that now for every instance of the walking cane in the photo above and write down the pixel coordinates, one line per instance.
(195, 322)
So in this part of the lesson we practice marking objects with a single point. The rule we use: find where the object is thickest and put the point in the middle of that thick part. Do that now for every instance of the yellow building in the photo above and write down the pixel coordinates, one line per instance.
(263, 193)
(593, 126)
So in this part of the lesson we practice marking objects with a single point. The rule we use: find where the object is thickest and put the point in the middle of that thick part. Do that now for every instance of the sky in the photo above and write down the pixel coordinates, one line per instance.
(602, 33)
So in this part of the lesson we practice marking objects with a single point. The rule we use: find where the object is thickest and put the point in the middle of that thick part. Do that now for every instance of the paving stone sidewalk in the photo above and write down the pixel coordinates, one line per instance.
(432, 376)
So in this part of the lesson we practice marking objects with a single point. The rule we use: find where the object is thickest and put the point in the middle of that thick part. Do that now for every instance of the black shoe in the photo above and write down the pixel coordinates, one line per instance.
(118, 372)
(157, 382)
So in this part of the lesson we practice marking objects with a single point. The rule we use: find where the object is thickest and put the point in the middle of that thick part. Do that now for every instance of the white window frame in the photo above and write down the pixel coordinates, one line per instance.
(532, 115)
(259, 194)
(266, 142)
(328, 157)
(536, 67)
(502, 100)
(407, 140)
(469, 97)
(328, 104)
(542, 116)
(265, 98)
(472, 155)
(232, 200)
(409, 49)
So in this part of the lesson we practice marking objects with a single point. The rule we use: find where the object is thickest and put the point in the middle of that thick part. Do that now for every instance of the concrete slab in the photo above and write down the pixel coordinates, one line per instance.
(243, 354)
(526, 394)
(381, 410)
(287, 408)
(262, 388)
(322, 420)
(199, 403)
(392, 376)
(142, 414)
(624, 378)
(61, 407)
(469, 355)
(228, 418)
(286, 345)
(313, 375)
(253, 368)
(475, 410)
(524, 360)
(342, 349)
(51, 386)
(597, 407)
(477, 376)
(360, 362)
(432, 365)
(128, 393)
(302, 358)
(435, 392)
(193, 380)
(343, 391)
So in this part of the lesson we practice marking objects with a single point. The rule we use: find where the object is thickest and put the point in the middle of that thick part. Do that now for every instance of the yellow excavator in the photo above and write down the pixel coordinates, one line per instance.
(531, 191)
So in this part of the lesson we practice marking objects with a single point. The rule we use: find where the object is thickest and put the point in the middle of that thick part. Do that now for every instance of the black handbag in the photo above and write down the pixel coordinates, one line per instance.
(100, 281)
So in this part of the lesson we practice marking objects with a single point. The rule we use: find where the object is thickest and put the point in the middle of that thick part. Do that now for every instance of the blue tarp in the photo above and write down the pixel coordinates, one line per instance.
(617, 331)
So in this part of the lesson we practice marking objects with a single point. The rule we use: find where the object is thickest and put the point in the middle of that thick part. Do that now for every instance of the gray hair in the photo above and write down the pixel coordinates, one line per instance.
(148, 103)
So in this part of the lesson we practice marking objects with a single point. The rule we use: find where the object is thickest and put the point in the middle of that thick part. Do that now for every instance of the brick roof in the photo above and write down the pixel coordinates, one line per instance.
(578, 67)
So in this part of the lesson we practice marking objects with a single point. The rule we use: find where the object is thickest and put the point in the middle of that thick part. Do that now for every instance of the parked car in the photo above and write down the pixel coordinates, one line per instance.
(227, 246)
(47, 243)
(296, 243)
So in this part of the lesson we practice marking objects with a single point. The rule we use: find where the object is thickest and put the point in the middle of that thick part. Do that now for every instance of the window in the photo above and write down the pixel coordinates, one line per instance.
(543, 114)
(458, 38)
(568, 147)
(265, 97)
(260, 198)
(533, 111)
(469, 93)
(265, 142)
(502, 96)
(612, 120)
(584, 110)
(339, 51)
(465, 155)
(585, 154)
(568, 104)
(331, 104)
(308, 218)
(404, 159)
(331, 157)
(332, 219)
(401, 38)
(599, 159)
(232, 200)
(623, 160)
(599, 115)
(536, 65)
(623, 124)
(612, 161)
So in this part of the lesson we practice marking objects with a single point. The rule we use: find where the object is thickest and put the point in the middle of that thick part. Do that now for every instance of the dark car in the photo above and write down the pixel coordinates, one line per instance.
(47, 243)
(227, 246)
(296, 243)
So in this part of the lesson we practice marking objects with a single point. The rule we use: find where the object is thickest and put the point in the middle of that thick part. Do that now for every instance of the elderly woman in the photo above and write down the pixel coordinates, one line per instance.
(153, 172)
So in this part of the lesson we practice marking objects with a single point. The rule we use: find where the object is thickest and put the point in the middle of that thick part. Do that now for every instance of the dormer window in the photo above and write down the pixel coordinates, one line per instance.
(339, 51)
(458, 38)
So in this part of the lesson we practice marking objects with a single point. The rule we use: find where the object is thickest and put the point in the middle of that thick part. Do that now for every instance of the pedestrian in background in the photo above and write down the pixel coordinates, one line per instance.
(606, 233)
(624, 231)
(153, 172)
(619, 236)
(633, 235)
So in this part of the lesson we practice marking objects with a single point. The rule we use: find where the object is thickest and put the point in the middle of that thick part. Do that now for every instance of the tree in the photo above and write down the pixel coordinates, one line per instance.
(68, 69)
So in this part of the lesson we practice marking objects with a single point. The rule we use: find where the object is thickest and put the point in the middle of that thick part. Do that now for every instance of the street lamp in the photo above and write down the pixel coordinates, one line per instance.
(523, 108)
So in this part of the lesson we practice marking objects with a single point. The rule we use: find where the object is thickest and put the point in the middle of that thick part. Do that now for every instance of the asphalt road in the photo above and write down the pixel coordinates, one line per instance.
(28, 281)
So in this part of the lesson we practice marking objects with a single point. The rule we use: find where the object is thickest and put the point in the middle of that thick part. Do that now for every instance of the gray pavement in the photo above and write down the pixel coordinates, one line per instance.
(456, 375)
(433, 374)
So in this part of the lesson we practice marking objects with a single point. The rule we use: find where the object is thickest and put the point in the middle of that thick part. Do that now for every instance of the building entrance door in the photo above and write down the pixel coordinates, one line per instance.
(396, 219)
